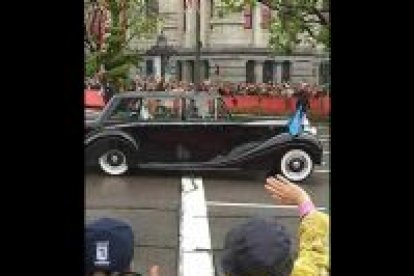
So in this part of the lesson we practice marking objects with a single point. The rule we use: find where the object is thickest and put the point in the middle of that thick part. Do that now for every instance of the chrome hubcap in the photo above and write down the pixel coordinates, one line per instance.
(114, 162)
(296, 165)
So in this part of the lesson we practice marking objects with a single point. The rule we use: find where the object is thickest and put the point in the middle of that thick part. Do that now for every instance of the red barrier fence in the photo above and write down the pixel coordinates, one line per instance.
(272, 105)
(275, 105)
(93, 99)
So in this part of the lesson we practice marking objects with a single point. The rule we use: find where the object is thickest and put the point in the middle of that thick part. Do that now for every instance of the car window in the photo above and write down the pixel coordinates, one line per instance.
(199, 109)
(160, 109)
(127, 109)
(222, 111)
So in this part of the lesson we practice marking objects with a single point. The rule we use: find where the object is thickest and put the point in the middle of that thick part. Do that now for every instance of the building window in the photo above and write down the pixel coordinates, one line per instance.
(151, 7)
(250, 71)
(286, 65)
(192, 73)
(206, 66)
(247, 14)
(185, 15)
(149, 67)
(325, 73)
(268, 69)
(179, 70)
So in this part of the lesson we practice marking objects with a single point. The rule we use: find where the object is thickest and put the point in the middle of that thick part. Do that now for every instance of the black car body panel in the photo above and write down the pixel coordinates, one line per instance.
(180, 142)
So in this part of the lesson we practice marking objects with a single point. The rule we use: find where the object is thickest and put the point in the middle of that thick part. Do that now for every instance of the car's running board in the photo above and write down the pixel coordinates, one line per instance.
(182, 166)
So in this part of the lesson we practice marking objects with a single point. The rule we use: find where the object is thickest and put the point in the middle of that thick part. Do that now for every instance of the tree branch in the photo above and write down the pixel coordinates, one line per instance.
(320, 16)
(309, 31)
(311, 10)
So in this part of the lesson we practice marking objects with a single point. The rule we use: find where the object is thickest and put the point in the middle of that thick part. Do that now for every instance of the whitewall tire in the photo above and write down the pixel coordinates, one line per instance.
(113, 162)
(296, 165)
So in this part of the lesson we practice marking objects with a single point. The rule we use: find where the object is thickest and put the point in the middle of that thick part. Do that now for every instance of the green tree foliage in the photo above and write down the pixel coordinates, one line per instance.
(294, 22)
(129, 20)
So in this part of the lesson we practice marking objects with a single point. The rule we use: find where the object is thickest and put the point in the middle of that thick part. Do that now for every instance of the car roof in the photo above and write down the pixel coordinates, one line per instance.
(190, 94)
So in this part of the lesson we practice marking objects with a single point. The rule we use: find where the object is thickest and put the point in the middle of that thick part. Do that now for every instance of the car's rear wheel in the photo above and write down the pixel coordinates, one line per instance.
(114, 161)
(112, 155)
(296, 165)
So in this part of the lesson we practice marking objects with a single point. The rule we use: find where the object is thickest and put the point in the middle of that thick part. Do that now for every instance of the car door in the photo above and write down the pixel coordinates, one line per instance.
(219, 137)
(157, 130)
(151, 121)
(247, 130)
(204, 137)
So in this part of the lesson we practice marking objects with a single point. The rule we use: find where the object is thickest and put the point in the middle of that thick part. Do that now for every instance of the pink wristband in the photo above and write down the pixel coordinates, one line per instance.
(305, 208)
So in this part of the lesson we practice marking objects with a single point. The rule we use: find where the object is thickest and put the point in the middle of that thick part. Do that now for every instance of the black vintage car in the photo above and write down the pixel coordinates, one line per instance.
(193, 131)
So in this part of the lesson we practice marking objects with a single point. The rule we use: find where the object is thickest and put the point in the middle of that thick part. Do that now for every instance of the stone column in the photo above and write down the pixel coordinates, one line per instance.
(169, 69)
(202, 70)
(257, 28)
(157, 66)
(189, 35)
(258, 70)
(204, 12)
(186, 71)
(278, 68)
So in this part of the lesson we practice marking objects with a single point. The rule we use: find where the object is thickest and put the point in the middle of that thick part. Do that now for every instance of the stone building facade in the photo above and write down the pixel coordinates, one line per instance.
(234, 47)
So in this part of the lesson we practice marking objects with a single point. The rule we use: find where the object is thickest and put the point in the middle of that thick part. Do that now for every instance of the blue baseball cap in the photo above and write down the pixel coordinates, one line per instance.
(109, 246)
(257, 247)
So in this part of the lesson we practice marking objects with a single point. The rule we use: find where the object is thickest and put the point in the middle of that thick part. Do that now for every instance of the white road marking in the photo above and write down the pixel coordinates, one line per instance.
(326, 152)
(325, 136)
(254, 205)
(322, 171)
(195, 257)
(324, 140)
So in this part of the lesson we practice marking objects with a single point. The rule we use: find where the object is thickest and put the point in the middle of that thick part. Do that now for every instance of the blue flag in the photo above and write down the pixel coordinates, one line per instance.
(295, 123)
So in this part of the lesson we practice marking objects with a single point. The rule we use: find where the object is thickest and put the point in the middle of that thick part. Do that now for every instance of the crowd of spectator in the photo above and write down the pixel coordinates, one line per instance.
(284, 89)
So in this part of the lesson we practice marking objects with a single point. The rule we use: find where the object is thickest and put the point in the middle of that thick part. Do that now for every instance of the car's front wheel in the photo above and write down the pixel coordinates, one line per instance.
(296, 165)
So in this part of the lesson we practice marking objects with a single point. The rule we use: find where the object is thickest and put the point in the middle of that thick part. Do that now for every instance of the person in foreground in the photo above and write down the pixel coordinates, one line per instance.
(109, 249)
(313, 251)
(262, 248)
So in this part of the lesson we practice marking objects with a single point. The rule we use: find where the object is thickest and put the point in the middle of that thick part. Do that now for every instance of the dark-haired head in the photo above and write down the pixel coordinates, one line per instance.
(257, 248)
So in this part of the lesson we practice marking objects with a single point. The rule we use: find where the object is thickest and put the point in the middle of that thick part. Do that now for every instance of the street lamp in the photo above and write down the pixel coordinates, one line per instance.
(163, 50)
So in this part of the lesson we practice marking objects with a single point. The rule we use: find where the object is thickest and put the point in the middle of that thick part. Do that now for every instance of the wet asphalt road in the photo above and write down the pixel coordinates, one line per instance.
(150, 202)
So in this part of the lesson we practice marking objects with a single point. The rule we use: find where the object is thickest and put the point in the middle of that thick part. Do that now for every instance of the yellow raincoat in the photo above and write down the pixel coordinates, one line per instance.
(313, 253)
